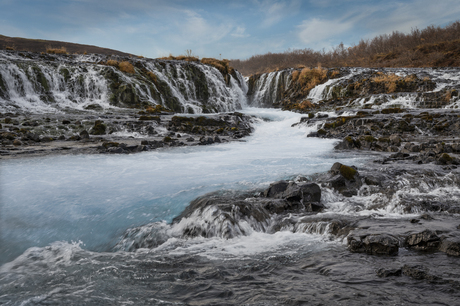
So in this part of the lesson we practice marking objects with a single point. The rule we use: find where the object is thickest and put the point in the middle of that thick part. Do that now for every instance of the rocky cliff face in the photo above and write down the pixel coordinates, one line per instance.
(43, 83)
(306, 89)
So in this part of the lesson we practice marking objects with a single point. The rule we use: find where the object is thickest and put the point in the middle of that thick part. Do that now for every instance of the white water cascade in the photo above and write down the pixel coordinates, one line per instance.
(53, 84)
(267, 88)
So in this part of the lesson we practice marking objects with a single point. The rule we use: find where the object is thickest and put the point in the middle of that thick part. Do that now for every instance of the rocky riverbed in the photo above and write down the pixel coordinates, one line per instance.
(120, 131)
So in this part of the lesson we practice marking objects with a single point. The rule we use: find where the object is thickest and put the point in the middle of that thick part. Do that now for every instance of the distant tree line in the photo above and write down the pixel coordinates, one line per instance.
(430, 47)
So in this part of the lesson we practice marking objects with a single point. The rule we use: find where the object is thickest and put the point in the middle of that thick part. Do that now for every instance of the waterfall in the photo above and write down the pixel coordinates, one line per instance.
(268, 88)
(436, 88)
(51, 83)
(321, 91)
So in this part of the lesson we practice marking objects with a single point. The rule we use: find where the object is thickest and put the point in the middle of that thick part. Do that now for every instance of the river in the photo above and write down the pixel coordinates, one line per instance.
(61, 217)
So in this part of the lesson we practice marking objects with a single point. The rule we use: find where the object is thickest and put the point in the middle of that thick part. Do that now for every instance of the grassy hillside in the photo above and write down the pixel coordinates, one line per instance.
(39, 45)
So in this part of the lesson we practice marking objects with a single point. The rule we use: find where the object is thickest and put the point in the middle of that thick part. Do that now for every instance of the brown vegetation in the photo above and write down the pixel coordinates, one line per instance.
(152, 76)
(126, 67)
(221, 65)
(181, 58)
(113, 63)
(61, 50)
(123, 66)
(430, 47)
(390, 81)
(308, 78)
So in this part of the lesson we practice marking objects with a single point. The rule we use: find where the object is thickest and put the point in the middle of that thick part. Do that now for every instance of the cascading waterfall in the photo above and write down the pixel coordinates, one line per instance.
(267, 89)
(47, 83)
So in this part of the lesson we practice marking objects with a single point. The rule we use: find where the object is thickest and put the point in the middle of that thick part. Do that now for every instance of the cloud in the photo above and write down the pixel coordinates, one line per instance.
(195, 29)
(403, 16)
(275, 11)
(317, 32)
(240, 32)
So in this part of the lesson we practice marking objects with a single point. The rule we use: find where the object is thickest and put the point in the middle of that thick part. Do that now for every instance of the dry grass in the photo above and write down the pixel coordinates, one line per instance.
(61, 50)
(221, 65)
(126, 67)
(152, 76)
(295, 75)
(308, 78)
(10, 48)
(113, 63)
(304, 106)
(391, 80)
(181, 58)
(334, 73)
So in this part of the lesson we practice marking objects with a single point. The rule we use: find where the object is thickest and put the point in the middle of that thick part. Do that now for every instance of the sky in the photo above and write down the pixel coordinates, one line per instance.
(234, 29)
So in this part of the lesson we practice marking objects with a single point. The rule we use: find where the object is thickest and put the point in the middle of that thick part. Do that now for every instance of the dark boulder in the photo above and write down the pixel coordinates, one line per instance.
(206, 140)
(348, 143)
(385, 272)
(451, 246)
(32, 136)
(304, 195)
(423, 241)
(99, 128)
(276, 189)
(378, 244)
(308, 192)
(418, 272)
(444, 159)
(344, 179)
(84, 134)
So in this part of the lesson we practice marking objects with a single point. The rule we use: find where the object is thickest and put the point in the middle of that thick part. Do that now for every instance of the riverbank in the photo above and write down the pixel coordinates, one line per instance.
(119, 131)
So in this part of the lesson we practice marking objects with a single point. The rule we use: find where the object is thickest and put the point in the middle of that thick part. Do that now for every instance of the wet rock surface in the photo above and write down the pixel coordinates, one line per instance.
(117, 132)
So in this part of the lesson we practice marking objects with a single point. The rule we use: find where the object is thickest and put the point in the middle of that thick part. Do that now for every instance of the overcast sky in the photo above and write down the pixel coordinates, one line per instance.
(230, 29)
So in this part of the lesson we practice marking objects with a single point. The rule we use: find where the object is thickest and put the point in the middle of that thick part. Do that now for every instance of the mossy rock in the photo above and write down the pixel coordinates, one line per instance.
(95, 107)
(369, 138)
(110, 144)
(156, 109)
(41, 78)
(393, 110)
(3, 91)
(65, 73)
(156, 118)
(321, 132)
(99, 128)
(348, 172)
(445, 159)
(167, 139)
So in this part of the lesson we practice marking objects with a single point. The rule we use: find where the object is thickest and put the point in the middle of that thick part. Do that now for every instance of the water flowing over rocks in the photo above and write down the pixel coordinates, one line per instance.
(387, 231)
(65, 104)
(299, 207)
(44, 83)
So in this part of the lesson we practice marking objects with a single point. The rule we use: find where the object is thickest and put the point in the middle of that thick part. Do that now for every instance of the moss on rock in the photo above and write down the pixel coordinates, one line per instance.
(99, 128)
(348, 172)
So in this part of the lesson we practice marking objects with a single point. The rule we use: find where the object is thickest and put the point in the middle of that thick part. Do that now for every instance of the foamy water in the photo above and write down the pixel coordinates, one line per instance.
(95, 198)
